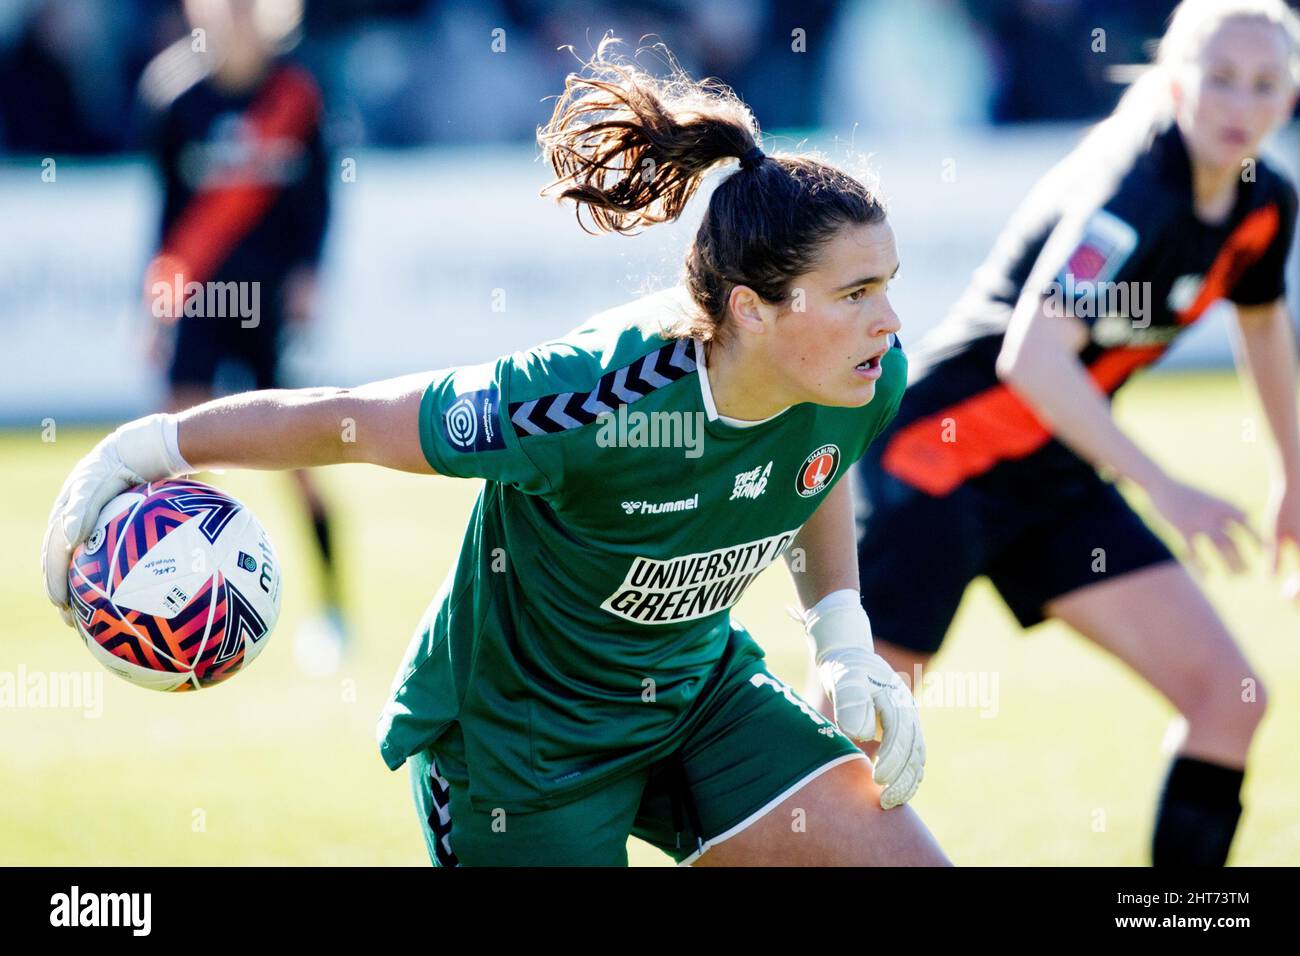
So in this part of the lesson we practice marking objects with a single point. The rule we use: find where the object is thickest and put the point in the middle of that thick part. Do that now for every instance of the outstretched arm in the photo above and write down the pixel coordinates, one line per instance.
(274, 429)
(1266, 352)
(1040, 362)
(299, 428)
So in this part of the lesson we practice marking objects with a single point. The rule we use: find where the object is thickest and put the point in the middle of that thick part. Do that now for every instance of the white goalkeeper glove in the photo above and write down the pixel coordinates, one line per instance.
(864, 688)
(139, 451)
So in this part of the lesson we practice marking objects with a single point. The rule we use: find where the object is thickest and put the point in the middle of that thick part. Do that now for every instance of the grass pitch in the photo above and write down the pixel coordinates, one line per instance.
(1058, 763)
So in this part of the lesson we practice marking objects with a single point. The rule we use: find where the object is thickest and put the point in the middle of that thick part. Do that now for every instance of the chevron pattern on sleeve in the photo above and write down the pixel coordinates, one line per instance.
(622, 386)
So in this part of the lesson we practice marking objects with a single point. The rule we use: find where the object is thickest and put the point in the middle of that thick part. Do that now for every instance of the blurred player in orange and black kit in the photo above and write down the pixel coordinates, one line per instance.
(236, 131)
(991, 466)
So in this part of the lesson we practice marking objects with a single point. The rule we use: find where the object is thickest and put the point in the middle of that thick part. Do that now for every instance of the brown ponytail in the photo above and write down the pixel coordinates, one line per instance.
(630, 149)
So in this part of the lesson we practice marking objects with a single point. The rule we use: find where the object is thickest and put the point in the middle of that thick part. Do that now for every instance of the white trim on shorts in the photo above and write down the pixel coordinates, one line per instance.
(769, 806)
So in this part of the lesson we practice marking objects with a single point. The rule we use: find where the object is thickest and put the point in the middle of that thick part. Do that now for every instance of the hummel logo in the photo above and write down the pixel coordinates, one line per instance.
(648, 508)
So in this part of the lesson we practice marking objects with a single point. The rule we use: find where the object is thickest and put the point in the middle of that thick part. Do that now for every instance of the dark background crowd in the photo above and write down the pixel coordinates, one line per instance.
(409, 72)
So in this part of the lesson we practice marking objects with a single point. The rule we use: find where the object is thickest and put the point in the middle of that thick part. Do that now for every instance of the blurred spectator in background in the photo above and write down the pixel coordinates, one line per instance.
(1050, 58)
(68, 69)
(412, 72)
(910, 65)
(236, 134)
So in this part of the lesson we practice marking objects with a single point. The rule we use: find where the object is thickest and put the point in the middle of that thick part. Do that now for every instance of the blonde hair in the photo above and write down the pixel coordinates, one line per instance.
(1190, 25)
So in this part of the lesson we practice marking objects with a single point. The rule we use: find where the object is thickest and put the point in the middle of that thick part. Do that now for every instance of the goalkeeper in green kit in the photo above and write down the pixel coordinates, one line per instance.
(578, 679)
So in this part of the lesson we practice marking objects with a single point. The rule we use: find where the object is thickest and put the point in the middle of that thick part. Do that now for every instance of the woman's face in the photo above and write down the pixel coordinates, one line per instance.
(827, 339)
(1236, 93)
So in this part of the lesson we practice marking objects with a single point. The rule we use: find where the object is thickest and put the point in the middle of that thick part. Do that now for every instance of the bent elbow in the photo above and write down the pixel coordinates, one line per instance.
(1009, 366)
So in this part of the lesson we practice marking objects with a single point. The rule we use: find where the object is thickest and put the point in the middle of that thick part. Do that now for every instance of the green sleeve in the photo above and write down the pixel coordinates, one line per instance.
(465, 427)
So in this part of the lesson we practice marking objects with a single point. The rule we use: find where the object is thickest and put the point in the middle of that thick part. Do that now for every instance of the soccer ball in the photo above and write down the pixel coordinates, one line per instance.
(177, 587)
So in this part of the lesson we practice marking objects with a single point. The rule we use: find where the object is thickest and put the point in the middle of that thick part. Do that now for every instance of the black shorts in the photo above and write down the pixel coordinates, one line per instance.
(206, 349)
(1038, 527)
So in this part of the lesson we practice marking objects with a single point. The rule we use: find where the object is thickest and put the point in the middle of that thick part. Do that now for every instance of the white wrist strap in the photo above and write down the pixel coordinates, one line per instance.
(171, 438)
(150, 448)
(837, 621)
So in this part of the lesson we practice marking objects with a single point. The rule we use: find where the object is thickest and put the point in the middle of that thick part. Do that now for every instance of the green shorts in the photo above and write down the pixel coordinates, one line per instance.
(753, 745)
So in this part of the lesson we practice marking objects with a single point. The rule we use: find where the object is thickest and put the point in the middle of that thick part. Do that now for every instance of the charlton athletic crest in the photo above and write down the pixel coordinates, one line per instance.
(817, 471)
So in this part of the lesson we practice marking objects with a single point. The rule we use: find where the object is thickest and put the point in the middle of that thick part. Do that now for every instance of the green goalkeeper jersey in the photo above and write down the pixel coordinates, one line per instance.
(619, 520)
